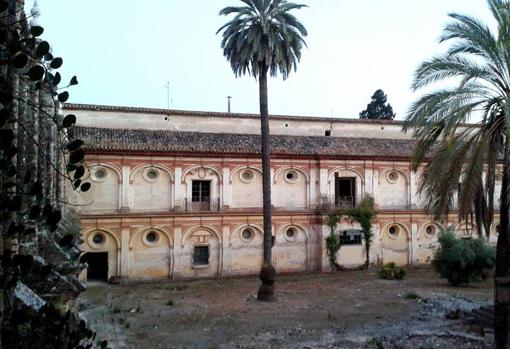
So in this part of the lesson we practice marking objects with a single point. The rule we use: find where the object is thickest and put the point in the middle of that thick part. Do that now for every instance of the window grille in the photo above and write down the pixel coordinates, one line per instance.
(350, 237)
(201, 255)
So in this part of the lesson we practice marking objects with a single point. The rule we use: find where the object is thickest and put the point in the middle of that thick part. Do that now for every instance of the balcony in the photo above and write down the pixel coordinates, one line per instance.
(209, 205)
(344, 201)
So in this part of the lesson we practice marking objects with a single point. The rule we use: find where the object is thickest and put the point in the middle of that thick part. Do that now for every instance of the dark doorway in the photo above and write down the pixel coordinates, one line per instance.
(345, 191)
(97, 265)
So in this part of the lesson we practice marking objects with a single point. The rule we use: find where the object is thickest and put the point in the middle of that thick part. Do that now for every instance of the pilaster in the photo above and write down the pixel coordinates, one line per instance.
(413, 255)
(178, 251)
(225, 267)
(227, 188)
(124, 250)
(178, 195)
(126, 170)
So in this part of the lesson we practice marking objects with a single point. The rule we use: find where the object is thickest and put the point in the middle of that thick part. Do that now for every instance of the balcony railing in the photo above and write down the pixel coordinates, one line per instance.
(344, 201)
(202, 206)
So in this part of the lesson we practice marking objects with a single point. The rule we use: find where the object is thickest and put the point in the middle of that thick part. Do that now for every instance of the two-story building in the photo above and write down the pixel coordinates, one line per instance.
(178, 194)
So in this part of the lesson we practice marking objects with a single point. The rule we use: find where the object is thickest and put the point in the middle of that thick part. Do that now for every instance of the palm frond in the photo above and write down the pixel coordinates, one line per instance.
(263, 33)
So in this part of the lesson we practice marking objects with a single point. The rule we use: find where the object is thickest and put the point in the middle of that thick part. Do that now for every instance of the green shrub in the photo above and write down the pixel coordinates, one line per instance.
(462, 261)
(391, 272)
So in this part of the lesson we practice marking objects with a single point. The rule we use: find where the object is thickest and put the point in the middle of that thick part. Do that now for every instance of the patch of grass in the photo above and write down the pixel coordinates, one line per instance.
(170, 302)
(412, 295)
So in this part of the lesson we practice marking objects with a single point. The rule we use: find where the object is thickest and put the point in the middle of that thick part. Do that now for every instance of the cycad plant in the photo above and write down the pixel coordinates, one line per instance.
(457, 159)
(263, 38)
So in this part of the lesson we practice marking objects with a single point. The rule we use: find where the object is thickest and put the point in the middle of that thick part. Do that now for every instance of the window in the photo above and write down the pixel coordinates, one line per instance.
(290, 233)
(201, 255)
(247, 234)
(98, 238)
(100, 174)
(393, 231)
(291, 176)
(200, 191)
(430, 231)
(392, 176)
(350, 237)
(152, 174)
(247, 175)
(345, 191)
(152, 237)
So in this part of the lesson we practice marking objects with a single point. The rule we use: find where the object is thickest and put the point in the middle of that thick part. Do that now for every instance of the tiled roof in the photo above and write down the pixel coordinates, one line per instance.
(124, 109)
(153, 141)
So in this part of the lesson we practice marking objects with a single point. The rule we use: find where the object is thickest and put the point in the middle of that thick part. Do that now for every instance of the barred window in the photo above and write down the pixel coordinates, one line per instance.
(350, 237)
(201, 255)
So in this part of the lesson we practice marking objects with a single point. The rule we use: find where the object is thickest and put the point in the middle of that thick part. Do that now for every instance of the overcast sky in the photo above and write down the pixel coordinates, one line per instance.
(125, 51)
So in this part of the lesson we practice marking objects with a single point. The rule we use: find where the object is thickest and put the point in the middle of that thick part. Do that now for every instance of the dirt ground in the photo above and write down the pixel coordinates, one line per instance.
(337, 310)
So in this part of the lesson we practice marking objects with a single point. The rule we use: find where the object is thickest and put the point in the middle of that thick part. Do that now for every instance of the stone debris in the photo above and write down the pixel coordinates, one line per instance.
(27, 297)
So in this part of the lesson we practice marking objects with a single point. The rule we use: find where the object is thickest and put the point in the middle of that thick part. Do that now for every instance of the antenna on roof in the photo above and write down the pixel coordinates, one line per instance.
(228, 103)
(168, 100)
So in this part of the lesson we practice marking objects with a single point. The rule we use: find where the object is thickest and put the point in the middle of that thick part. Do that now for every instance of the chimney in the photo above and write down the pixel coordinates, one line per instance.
(229, 98)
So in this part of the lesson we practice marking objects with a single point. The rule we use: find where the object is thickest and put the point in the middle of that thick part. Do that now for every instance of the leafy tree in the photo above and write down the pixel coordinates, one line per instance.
(378, 108)
(40, 253)
(263, 37)
(477, 64)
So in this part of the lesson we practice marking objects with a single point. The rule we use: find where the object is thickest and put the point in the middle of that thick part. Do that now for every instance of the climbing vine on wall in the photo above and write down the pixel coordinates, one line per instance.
(364, 214)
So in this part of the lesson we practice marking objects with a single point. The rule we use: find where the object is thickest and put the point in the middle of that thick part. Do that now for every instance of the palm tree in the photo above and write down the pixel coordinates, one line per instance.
(476, 72)
(263, 37)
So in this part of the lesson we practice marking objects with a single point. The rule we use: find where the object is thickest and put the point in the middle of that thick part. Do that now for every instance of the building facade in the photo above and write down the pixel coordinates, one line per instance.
(178, 194)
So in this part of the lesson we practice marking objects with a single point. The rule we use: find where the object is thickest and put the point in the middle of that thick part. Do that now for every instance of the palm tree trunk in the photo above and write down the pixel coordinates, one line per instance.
(502, 275)
(266, 166)
(267, 273)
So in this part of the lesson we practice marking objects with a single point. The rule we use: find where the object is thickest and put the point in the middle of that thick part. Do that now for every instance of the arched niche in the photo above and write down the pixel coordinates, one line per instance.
(102, 240)
(199, 175)
(466, 230)
(104, 194)
(151, 253)
(428, 233)
(393, 189)
(245, 249)
(292, 248)
(291, 188)
(201, 252)
(246, 187)
(337, 186)
(151, 188)
(395, 241)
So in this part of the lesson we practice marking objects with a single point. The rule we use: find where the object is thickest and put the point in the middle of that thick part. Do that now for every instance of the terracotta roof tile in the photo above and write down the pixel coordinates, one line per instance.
(154, 141)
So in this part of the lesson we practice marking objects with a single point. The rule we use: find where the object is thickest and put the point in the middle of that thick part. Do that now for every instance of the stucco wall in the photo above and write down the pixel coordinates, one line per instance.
(150, 194)
(246, 192)
(150, 259)
(239, 125)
